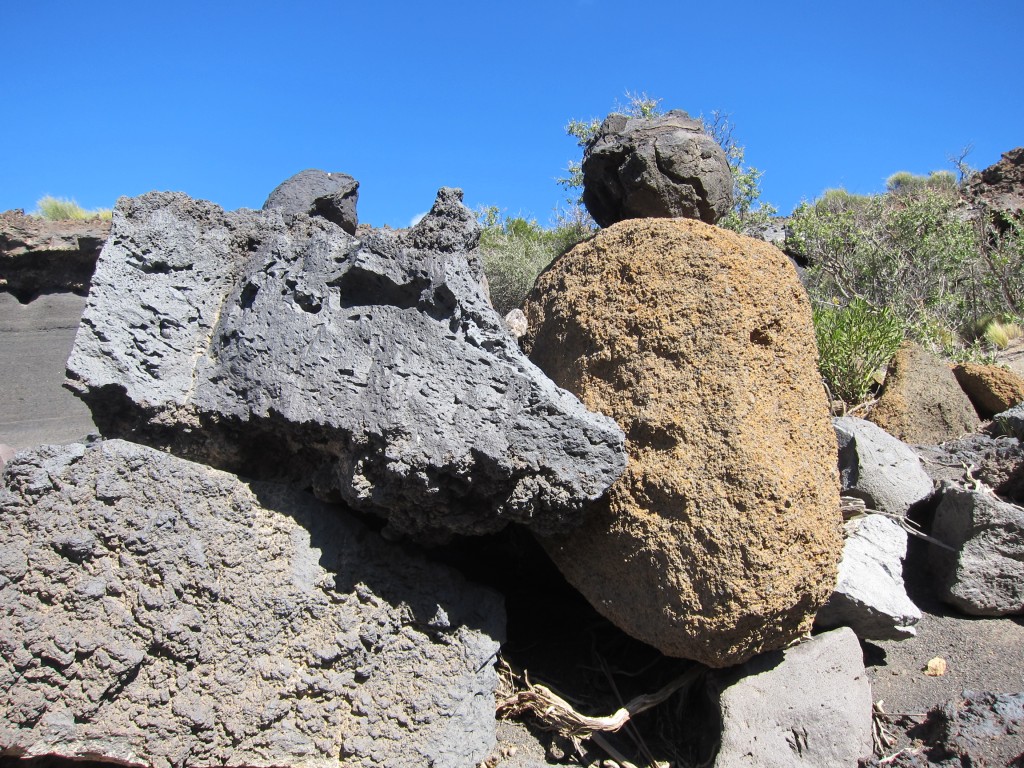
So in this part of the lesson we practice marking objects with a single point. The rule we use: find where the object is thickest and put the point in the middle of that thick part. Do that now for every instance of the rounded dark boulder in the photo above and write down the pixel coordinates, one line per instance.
(655, 167)
(332, 196)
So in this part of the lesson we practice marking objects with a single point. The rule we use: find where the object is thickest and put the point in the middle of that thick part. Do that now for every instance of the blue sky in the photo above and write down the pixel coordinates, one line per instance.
(223, 100)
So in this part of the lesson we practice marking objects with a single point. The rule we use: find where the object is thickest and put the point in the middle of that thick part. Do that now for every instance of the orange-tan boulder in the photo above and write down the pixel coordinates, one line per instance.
(722, 538)
(921, 402)
(990, 388)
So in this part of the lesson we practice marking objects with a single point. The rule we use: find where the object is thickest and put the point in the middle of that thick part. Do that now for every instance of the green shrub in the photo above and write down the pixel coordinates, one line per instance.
(854, 343)
(62, 209)
(516, 250)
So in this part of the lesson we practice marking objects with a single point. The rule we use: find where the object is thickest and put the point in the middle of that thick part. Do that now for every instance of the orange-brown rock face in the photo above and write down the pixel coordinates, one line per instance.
(722, 538)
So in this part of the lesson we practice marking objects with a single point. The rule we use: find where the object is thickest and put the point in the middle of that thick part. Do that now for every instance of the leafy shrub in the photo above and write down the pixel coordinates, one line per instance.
(854, 343)
(62, 209)
(515, 251)
(914, 251)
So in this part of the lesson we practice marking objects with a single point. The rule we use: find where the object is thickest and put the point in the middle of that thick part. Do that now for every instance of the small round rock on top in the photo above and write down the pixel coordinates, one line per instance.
(655, 167)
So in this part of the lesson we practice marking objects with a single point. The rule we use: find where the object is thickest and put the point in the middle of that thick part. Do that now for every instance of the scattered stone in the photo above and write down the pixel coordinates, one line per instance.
(979, 728)
(280, 347)
(878, 468)
(159, 612)
(661, 167)
(1011, 422)
(516, 323)
(722, 539)
(996, 462)
(871, 597)
(42, 256)
(807, 705)
(332, 196)
(936, 667)
(984, 576)
(999, 188)
(990, 388)
(921, 401)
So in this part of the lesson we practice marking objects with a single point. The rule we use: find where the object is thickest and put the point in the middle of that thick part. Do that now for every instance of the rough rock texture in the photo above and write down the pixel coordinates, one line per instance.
(990, 388)
(332, 196)
(159, 612)
(984, 576)
(42, 256)
(921, 401)
(978, 729)
(660, 167)
(1011, 422)
(996, 462)
(807, 706)
(1000, 187)
(871, 597)
(280, 347)
(878, 468)
(722, 538)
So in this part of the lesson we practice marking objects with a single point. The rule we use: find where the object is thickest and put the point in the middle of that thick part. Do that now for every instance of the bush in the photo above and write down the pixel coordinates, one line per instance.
(854, 343)
(914, 251)
(516, 250)
(62, 209)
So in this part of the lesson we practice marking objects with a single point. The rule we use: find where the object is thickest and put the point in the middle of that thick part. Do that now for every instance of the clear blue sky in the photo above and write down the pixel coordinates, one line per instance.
(223, 100)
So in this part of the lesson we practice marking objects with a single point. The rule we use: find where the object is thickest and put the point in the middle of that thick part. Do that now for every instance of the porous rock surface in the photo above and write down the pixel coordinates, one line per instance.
(1011, 422)
(722, 538)
(157, 612)
(984, 574)
(42, 256)
(279, 347)
(1000, 187)
(870, 596)
(990, 388)
(809, 705)
(333, 196)
(664, 166)
(998, 462)
(879, 469)
(921, 402)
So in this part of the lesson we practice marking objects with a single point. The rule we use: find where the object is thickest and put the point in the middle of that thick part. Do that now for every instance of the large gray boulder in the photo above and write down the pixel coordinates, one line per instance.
(157, 612)
(871, 597)
(984, 575)
(879, 469)
(280, 347)
(809, 705)
(318, 193)
(997, 462)
(655, 167)
(1011, 422)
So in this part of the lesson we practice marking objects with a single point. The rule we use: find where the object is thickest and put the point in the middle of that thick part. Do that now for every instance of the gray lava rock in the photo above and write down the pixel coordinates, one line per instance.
(279, 347)
(878, 468)
(657, 167)
(331, 195)
(1011, 422)
(159, 612)
(871, 597)
(809, 705)
(984, 576)
(979, 728)
(996, 462)
(999, 189)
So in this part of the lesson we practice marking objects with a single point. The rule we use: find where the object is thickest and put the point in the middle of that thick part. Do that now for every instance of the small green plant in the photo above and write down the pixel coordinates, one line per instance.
(854, 343)
(62, 209)
(516, 250)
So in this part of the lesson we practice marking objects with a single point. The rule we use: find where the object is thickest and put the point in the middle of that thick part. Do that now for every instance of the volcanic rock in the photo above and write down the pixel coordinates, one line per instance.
(990, 388)
(871, 597)
(42, 256)
(1000, 187)
(984, 575)
(661, 167)
(1011, 422)
(721, 539)
(921, 401)
(879, 469)
(317, 193)
(998, 462)
(157, 612)
(807, 705)
(279, 347)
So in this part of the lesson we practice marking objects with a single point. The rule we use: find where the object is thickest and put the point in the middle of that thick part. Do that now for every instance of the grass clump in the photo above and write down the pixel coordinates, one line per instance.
(1000, 334)
(855, 342)
(62, 209)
